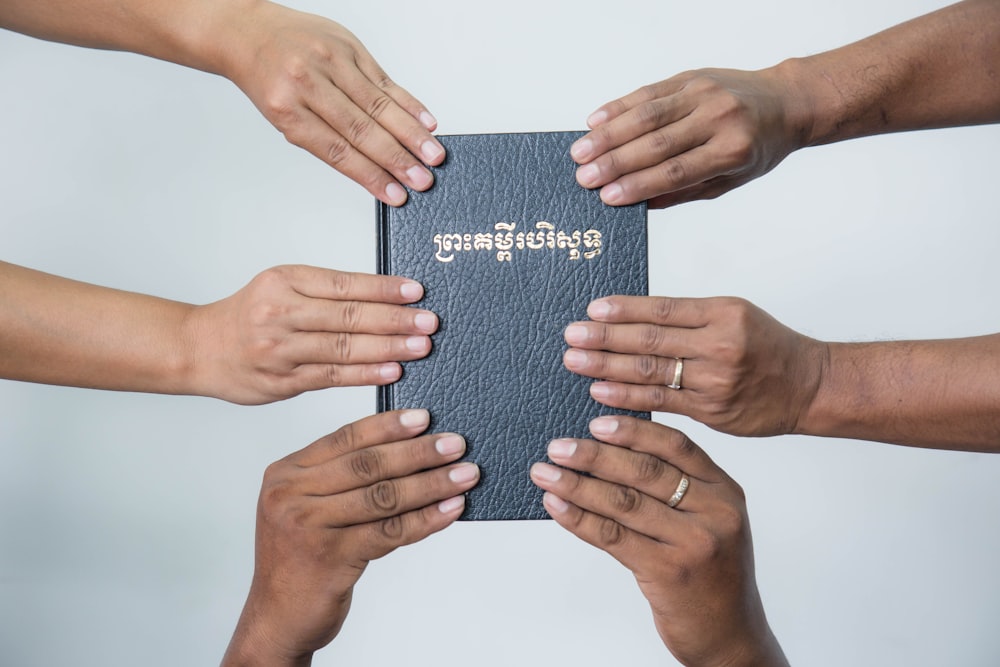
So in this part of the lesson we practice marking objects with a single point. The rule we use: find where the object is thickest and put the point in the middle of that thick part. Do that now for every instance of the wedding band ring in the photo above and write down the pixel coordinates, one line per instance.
(682, 488)
(678, 370)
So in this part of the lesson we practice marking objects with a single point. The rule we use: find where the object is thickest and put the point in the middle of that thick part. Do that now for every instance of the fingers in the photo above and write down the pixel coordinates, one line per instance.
(627, 546)
(665, 443)
(322, 283)
(390, 497)
(383, 536)
(616, 108)
(643, 398)
(373, 430)
(629, 368)
(644, 472)
(680, 171)
(632, 339)
(320, 315)
(363, 467)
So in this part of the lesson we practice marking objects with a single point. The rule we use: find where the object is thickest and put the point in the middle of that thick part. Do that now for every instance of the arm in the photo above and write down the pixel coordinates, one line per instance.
(292, 329)
(329, 509)
(745, 373)
(700, 134)
(693, 561)
(309, 76)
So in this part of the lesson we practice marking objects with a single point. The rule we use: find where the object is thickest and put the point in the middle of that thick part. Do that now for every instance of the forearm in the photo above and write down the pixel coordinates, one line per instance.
(943, 394)
(938, 70)
(186, 32)
(59, 331)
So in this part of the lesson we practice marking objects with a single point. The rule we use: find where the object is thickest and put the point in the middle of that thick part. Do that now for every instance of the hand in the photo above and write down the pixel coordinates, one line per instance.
(694, 136)
(744, 373)
(693, 562)
(326, 511)
(321, 88)
(300, 328)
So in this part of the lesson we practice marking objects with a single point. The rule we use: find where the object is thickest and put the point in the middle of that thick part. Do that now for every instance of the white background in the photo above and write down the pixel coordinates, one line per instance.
(126, 521)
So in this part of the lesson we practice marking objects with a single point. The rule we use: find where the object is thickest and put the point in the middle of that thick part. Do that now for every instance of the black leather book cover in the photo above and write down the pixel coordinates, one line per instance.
(510, 250)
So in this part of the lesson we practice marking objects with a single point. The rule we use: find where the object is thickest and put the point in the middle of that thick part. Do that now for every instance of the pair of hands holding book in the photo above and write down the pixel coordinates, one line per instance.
(380, 483)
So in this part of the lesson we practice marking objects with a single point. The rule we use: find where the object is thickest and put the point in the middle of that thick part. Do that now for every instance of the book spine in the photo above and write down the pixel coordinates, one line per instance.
(383, 394)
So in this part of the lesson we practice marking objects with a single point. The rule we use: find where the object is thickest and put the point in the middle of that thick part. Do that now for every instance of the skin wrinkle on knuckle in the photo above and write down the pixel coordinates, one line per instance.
(366, 465)
(360, 129)
(391, 528)
(379, 105)
(660, 143)
(382, 497)
(648, 115)
(647, 469)
(672, 171)
(647, 368)
(610, 533)
(337, 151)
(623, 499)
(651, 337)
(342, 346)
(341, 284)
(344, 438)
(352, 315)
(664, 309)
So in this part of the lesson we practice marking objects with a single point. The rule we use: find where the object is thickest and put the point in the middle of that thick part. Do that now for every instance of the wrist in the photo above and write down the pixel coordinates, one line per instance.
(813, 103)
(837, 401)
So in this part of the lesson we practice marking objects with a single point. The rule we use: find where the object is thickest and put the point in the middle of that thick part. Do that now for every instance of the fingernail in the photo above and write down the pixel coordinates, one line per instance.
(411, 290)
(417, 343)
(562, 448)
(413, 418)
(431, 151)
(427, 120)
(582, 149)
(395, 194)
(389, 372)
(450, 505)
(599, 390)
(464, 473)
(450, 444)
(597, 118)
(575, 334)
(546, 472)
(575, 359)
(426, 322)
(587, 175)
(419, 177)
(555, 503)
(599, 309)
(612, 194)
(603, 425)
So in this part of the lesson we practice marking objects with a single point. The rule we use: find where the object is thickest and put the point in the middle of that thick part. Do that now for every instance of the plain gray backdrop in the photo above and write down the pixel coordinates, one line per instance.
(126, 520)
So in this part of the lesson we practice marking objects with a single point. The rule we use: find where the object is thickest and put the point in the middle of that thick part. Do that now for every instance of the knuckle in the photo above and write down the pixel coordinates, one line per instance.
(647, 368)
(391, 528)
(679, 445)
(353, 315)
(342, 283)
(378, 106)
(651, 337)
(649, 92)
(610, 533)
(342, 344)
(333, 375)
(624, 499)
(367, 465)
(673, 171)
(383, 497)
(649, 114)
(661, 143)
(337, 151)
(344, 438)
(705, 545)
(647, 469)
(360, 129)
(664, 309)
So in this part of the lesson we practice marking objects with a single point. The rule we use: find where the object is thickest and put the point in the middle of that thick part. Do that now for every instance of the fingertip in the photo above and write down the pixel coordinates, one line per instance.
(427, 119)
(553, 504)
(604, 426)
(600, 309)
(411, 291)
(432, 152)
(420, 178)
(395, 195)
(597, 118)
(452, 506)
(415, 418)
(613, 194)
(581, 150)
(390, 372)
(426, 321)
(600, 391)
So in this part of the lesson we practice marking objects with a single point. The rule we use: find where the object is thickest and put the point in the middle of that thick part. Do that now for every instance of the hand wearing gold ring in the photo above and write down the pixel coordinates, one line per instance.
(744, 373)
(692, 561)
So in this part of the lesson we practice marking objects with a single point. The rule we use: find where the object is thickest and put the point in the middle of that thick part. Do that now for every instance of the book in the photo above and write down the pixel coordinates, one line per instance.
(510, 250)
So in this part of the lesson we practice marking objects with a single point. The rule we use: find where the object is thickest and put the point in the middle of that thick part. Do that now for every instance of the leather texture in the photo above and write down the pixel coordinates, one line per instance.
(504, 293)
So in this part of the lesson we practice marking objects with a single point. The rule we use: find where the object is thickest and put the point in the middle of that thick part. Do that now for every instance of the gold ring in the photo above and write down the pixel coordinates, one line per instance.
(678, 370)
(682, 488)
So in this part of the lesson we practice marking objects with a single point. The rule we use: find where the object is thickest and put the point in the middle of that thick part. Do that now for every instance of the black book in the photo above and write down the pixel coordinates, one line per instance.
(510, 250)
